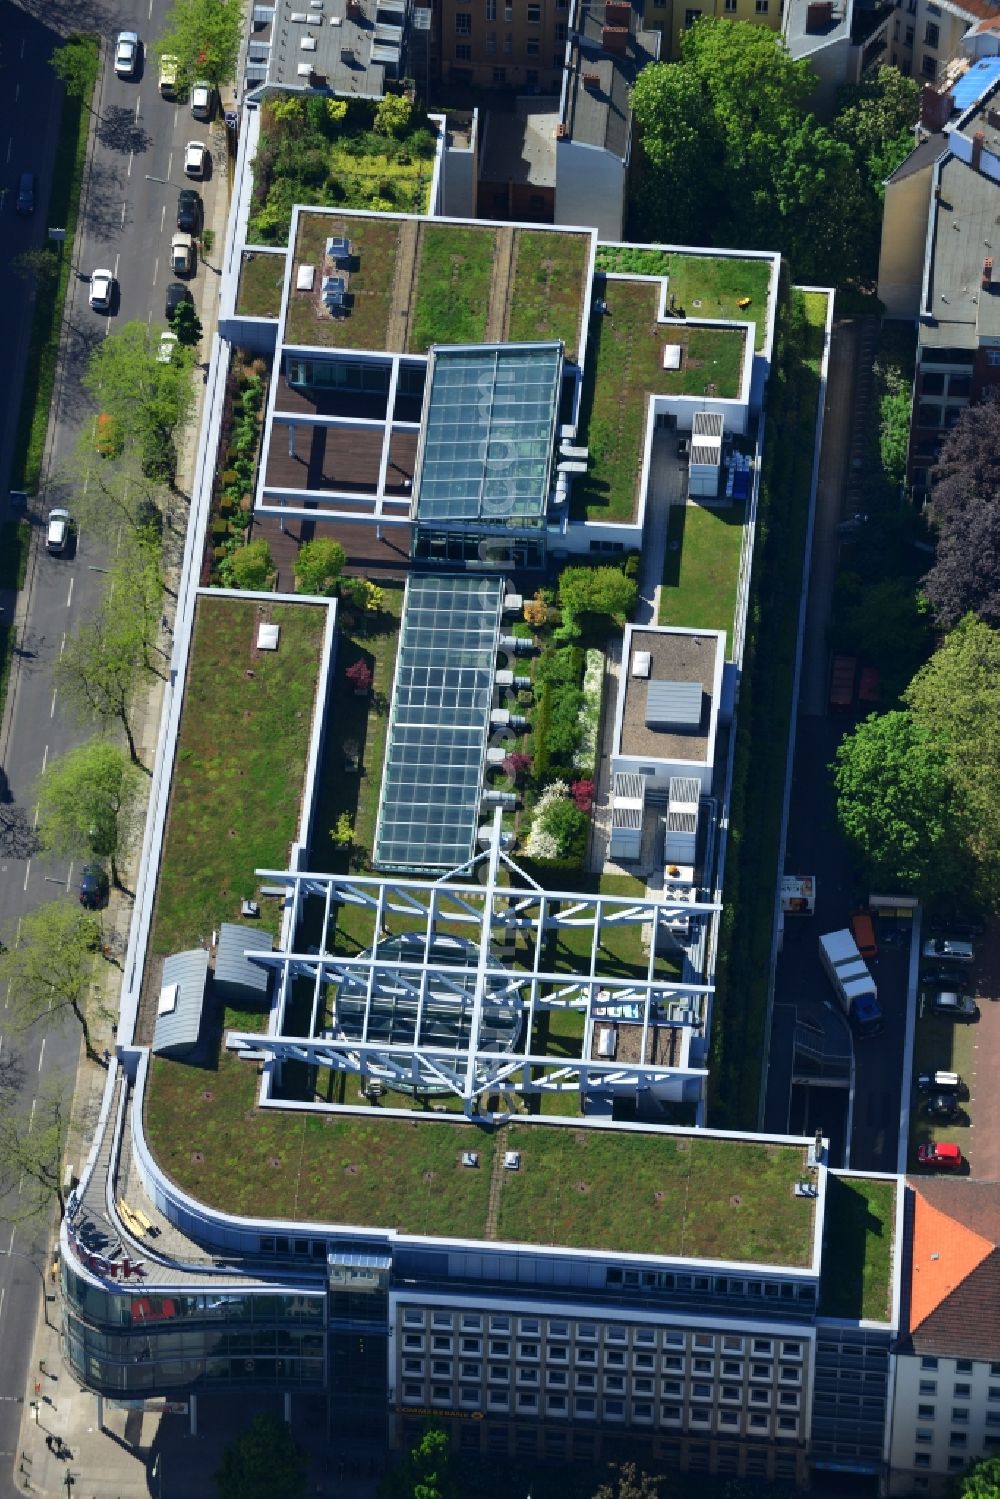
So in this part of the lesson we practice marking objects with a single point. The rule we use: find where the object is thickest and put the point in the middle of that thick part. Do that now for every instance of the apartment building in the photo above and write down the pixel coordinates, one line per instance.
(490, 44)
(946, 1400)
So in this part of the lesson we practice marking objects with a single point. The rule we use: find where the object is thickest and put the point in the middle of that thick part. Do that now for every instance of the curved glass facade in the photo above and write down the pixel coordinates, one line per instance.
(141, 1342)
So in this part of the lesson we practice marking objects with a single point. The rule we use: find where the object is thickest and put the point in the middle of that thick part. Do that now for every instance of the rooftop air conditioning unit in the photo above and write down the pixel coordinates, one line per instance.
(642, 663)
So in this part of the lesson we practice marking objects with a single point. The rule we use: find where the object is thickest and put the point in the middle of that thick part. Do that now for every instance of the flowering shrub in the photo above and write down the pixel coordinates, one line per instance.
(559, 829)
(583, 793)
(517, 766)
(589, 716)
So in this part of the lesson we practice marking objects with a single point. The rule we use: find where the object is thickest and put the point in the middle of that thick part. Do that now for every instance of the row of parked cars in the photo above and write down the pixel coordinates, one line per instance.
(947, 960)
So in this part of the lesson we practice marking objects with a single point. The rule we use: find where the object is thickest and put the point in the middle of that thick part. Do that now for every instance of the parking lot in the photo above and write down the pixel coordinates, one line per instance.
(973, 1051)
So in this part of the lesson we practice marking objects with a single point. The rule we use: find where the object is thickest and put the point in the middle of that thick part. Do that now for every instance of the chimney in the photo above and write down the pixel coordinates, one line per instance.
(987, 273)
(592, 81)
(617, 13)
(978, 141)
(819, 15)
(993, 117)
(935, 109)
(615, 39)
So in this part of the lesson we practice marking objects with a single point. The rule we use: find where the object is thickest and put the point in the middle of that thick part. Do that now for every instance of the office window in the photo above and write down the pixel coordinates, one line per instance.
(993, 358)
(441, 1319)
(499, 75)
(994, 1392)
(962, 1391)
(761, 7)
(441, 1394)
(962, 1365)
(614, 1410)
(463, 23)
(413, 1392)
(760, 1397)
(908, 37)
(533, 48)
(472, 1345)
(557, 1355)
(508, 43)
(729, 1418)
(441, 1368)
(955, 1464)
(925, 1412)
(700, 1391)
(730, 7)
(491, 46)
(615, 1383)
(491, 10)
(958, 1439)
(534, 14)
(932, 34)
(527, 1401)
(499, 1324)
(758, 1423)
(702, 1365)
(994, 1370)
(731, 1366)
(921, 1459)
(928, 1387)
(589, 1382)
(527, 1350)
(787, 1423)
(690, 16)
(499, 1374)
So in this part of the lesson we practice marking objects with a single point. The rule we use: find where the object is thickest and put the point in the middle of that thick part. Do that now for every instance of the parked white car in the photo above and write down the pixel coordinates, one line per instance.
(127, 54)
(182, 254)
(195, 158)
(58, 531)
(168, 343)
(102, 289)
(202, 100)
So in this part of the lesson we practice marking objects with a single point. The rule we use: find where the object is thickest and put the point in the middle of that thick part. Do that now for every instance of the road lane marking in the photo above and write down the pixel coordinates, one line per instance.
(123, 226)
(137, 101)
(34, 823)
(156, 267)
(26, 874)
(117, 258)
(69, 596)
(62, 645)
(10, 1246)
(129, 172)
(41, 1058)
(69, 877)
(45, 755)
(3, 1292)
(52, 710)
(170, 163)
(163, 215)
(10, 147)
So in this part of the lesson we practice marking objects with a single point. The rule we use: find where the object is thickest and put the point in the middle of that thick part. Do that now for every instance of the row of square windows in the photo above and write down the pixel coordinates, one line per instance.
(613, 1358)
(955, 1463)
(590, 1332)
(962, 1365)
(611, 1383)
(959, 1415)
(586, 1407)
(959, 1392)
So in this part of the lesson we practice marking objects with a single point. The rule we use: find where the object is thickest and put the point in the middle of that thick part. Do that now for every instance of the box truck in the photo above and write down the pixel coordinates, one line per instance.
(854, 985)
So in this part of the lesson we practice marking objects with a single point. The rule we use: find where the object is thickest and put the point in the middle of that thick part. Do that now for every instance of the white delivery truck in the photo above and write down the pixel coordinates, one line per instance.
(853, 983)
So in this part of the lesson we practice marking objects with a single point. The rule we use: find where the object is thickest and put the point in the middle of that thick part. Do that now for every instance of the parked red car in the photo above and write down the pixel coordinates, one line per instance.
(944, 1155)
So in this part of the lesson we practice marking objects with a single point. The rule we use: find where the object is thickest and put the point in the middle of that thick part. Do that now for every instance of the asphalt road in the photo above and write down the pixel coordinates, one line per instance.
(126, 224)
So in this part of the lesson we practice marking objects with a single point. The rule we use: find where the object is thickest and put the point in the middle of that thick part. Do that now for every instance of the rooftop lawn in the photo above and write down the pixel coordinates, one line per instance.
(549, 282)
(625, 366)
(860, 1224)
(686, 1196)
(701, 568)
(451, 291)
(710, 286)
(374, 245)
(261, 279)
(241, 754)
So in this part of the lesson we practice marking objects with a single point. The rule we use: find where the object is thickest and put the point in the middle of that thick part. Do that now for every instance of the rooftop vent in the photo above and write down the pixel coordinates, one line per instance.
(267, 637)
(642, 662)
(674, 705)
(672, 356)
(168, 999)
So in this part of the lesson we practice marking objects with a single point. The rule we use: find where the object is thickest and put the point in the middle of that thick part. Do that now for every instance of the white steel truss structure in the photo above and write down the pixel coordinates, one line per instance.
(454, 987)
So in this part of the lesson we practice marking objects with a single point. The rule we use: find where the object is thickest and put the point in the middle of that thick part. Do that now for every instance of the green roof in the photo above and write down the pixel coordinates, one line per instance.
(858, 1243)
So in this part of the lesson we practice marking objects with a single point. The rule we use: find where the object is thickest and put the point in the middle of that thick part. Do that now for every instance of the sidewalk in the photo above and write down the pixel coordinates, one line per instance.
(115, 1463)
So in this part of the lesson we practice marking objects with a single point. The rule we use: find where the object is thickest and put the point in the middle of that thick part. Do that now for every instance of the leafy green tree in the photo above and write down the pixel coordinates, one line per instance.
(597, 590)
(318, 565)
(393, 114)
(897, 806)
(682, 154)
(428, 1472)
(89, 802)
(965, 511)
(39, 264)
(981, 1481)
(875, 118)
(249, 567)
(186, 324)
(77, 63)
(204, 36)
(32, 1147)
(955, 698)
(114, 494)
(888, 624)
(49, 969)
(135, 596)
(628, 1482)
(147, 400)
(99, 670)
(894, 433)
(264, 1462)
(811, 171)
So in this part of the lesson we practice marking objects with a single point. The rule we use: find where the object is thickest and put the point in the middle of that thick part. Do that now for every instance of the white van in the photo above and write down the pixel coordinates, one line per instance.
(57, 534)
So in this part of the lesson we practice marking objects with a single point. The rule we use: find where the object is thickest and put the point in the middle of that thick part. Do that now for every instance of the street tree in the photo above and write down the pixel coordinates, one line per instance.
(897, 806)
(147, 401)
(50, 967)
(32, 1146)
(876, 119)
(250, 567)
(955, 698)
(204, 36)
(99, 671)
(888, 624)
(965, 512)
(628, 1481)
(429, 1471)
(135, 596)
(89, 803)
(318, 565)
(40, 264)
(682, 152)
(264, 1462)
(114, 494)
(77, 63)
(186, 323)
(981, 1481)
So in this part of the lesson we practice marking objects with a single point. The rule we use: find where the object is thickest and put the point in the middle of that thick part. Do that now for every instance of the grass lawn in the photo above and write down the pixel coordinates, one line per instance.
(241, 751)
(364, 721)
(856, 1277)
(50, 297)
(714, 1198)
(548, 285)
(15, 541)
(624, 366)
(704, 285)
(701, 567)
(261, 280)
(374, 244)
(942, 1045)
(451, 293)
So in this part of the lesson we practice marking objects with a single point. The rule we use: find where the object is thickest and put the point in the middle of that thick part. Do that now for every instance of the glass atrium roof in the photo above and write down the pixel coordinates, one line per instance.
(489, 432)
(439, 722)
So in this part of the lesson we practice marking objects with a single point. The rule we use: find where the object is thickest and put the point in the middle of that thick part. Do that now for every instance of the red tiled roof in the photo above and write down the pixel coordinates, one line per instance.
(955, 1269)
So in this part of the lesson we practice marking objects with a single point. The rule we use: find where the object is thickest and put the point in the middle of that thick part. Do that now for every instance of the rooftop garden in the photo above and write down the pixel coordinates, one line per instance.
(687, 1196)
(374, 250)
(241, 754)
(710, 286)
(702, 567)
(549, 281)
(624, 368)
(451, 297)
(335, 152)
(261, 280)
(856, 1278)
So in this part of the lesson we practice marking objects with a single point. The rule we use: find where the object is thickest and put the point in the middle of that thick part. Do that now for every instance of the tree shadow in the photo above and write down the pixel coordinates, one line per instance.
(104, 202)
(120, 131)
(18, 839)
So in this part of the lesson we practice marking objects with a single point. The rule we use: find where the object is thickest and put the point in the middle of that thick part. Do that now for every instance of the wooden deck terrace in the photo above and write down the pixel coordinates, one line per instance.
(340, 458)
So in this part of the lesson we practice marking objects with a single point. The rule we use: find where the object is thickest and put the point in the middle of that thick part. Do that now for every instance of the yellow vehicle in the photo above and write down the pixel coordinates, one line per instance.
(168, 76)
